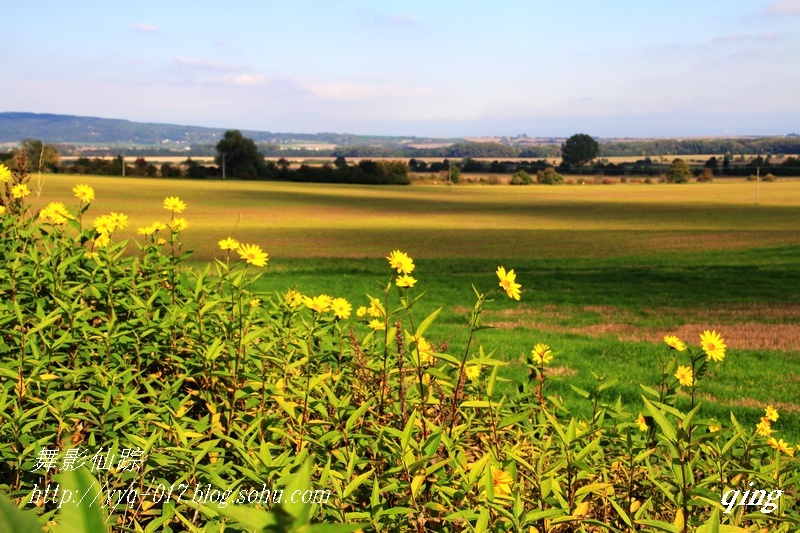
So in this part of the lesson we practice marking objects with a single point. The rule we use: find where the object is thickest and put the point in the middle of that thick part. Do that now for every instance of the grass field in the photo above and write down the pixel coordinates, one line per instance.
(606, 271)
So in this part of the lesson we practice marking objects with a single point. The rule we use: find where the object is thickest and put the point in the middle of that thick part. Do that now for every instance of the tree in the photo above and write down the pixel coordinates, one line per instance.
(579, 149)
(41, 157)
(242, 158)
(679, 172)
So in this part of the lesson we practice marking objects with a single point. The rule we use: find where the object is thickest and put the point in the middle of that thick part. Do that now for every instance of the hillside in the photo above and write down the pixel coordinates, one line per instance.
(71, 129)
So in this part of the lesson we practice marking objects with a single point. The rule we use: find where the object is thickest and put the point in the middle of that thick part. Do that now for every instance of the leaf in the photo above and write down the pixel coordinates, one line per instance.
(423, 327)
(15, 520)
(406, 438)
(81, 513)
(249, 517)
(666, 427)
(353, 485)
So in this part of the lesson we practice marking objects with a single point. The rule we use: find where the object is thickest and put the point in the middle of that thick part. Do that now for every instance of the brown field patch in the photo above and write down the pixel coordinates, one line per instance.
(750, 403)
(744, 327)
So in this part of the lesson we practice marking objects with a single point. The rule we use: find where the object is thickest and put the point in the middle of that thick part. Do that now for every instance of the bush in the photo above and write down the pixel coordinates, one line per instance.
(521, 177)
(549, 176)
(706, 176)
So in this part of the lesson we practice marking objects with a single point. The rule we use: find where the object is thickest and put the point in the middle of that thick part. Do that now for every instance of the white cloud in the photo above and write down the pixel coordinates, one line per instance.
(145, 27)
(246, 79)
(738, 37)
(206, 64)
(360, 91)
(398, 19)
(783, 7)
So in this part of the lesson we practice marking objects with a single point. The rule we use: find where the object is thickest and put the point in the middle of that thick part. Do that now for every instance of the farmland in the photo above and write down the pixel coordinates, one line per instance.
(606, 271)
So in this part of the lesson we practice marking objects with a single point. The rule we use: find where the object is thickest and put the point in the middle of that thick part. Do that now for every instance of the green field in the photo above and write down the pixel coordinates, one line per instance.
(606, 271)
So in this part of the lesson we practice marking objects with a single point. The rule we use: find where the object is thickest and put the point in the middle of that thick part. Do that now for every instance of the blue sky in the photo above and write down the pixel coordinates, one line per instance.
(467, 68)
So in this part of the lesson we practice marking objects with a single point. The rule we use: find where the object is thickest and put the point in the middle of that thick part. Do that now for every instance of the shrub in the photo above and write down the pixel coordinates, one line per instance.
(706, 176)
(521, 177)
(549, 176)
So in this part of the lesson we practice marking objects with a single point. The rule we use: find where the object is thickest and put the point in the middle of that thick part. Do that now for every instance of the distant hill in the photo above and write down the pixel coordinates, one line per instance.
(70, 129)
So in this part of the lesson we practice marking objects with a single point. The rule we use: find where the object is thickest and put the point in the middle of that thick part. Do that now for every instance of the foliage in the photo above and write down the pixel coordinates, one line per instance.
(549, 176)
(579, 149)
(224, 389)
(241, 157)
(521, 177)
(679, 172)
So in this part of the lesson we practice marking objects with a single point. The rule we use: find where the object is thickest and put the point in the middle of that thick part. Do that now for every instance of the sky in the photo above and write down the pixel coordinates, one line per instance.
(613, 68)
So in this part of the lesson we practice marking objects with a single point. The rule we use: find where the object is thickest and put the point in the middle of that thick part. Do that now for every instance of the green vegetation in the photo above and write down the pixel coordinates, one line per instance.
(217, 388)
(412, 413)
(579, 150)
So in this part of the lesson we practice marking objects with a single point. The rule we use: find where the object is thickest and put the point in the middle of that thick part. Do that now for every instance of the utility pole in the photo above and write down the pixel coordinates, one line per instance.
(758, 175)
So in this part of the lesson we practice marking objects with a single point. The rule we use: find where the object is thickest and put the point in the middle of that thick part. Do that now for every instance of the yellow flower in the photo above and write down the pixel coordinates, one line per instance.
(158, 226)
(318, 304)
(228, 244)
(426, 353)
(405, 281)
(375, 308)
(341, 308)
(771, 413)
(83, 192)
(104, 224)
(401, 261)
(508, 282)
(293, 298)
(147, 230)
(713, 428)
(542, 354)
(642, 422)
(685, 376)
(254, 302)
(675, 343)
(253, 254)
(161, 241)
(361, 312)
(5, 174)
(179, 224)
(764, 428)
(102, 240)
(120, 220)
(472, 371)
(377, 325)
(782, 446)
(56, 213)
(174, 204)
(91, 255)
(502, 482)
(713, 345)
(3, 210)
(20, 191)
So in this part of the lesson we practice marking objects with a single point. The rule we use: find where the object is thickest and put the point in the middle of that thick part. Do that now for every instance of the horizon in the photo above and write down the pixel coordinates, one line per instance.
(616, 70)
(464, 138)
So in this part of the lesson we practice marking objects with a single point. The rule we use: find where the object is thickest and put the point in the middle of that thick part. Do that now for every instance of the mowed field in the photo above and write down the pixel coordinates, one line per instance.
(606, 271)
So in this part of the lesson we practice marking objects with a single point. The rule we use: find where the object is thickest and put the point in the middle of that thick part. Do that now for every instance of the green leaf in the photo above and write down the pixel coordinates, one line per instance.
(249, 517)
(82, 513)
(666, 427)
(15, 520)
(423, 327)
